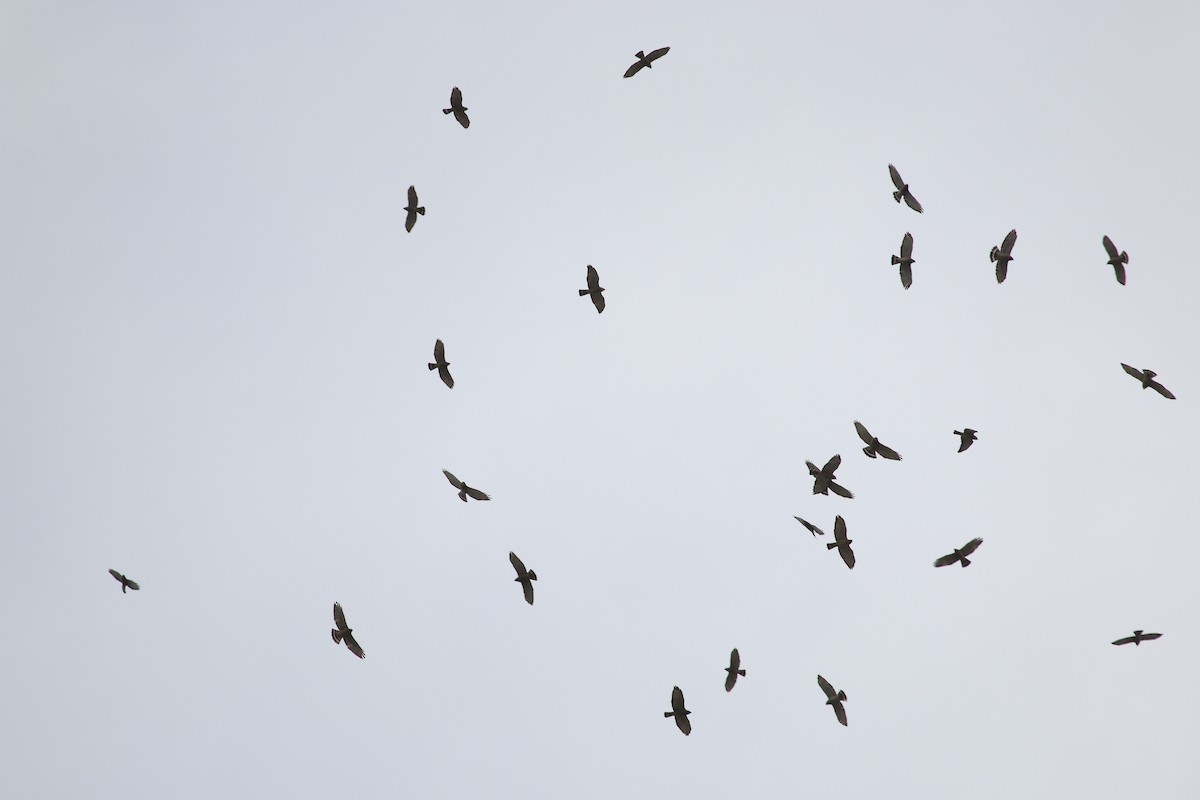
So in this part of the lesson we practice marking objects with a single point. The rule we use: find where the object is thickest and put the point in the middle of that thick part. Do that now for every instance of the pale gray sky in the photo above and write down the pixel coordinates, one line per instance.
(213, 338)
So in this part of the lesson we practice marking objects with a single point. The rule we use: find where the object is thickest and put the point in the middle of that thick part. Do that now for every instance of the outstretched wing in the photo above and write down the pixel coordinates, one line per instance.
(527, 588)
(1148, 636)
(887, 452)
(826, 687)
(412, 197)
(913, 203)
(946, 561)
(478, 495)
(906, 246)
(460, 114)
(831, 466)
(518, 565)
(839, 529)
(897, 181)
(1001, 270)
(971, 546)
(655, 55)
(906, 275)
(1164, 391)
(439, 352)
(1119, 268)
(840, 490)
(456, 97)
(593, 279)
(840, 710)
(447, 378)
(863, 433)
(455, 482)
(116, 575)
(1127, 639)
(353, 645)
(1111, 248)
(633, 70)
(677, 701)
(339, 618)
(847, 554)
(132, 584)
(1136, 373)
(813, 529)
(1007, 245)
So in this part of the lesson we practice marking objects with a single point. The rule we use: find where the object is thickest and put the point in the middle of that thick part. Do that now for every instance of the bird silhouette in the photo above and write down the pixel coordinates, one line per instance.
(594, 289)
(344, 633)
(813, 529)
(646, 61)
(905, 260)
(441, 364)
(835, 699)
(464, 491)
(960, 554)
(1137, 638)
(1116, 260)
(679, 712)
(841, 542)
(413, 209)
(1146, 376)
(125, 582)
(735, 662)
(902, 192)
(525, 577)
(968, 438)
(874, 446)
(1003, 254)
(823, 478)
(457, 108)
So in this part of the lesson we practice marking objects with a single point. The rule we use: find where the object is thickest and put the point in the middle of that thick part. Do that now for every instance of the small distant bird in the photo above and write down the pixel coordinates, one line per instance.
(1117, 260)
(644, 60)
(1137, 638)
(1146, 376)
(125, 582)
(735, 661)
(841, 542)
(960, 554)
(344, 633)
(679, 712)
(525, 577)
(813, 529)
(594, 289)
(874, 446)
(834, 699)
(823, 478)
(968, 438)
(464, 491)
(413, 209)
(905, 260)
(1003, 254)
(441, 364)
(902, 192)
(457, 108)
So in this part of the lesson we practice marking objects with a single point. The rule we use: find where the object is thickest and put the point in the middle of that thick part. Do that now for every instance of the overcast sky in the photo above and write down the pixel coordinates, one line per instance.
(213, 339)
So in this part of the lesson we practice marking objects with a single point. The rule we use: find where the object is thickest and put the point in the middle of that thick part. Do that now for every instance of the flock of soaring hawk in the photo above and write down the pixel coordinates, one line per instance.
(823, 478)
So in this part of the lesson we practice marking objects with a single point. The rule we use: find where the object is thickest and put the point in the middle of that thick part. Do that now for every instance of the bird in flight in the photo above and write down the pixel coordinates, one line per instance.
(413, 209)
(644, 60)
(1137, 638)
(823, 478)
(1117, 260)
(735, 662)
(594, 289)
(841, 542)
(968, 438)
(125, 582)
(344, 633)
(1003, 254)
(813, 529)
(874, 446)
(679, 712)
(905, 260)
(525, 577)
(902, 192)
(835, 699)
(441, 364)
(960, 554)
(464, 491)
(1146, 376)
(457, 108)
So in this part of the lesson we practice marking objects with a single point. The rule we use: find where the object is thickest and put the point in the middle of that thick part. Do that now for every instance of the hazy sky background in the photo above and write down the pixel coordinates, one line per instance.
(213, 338)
